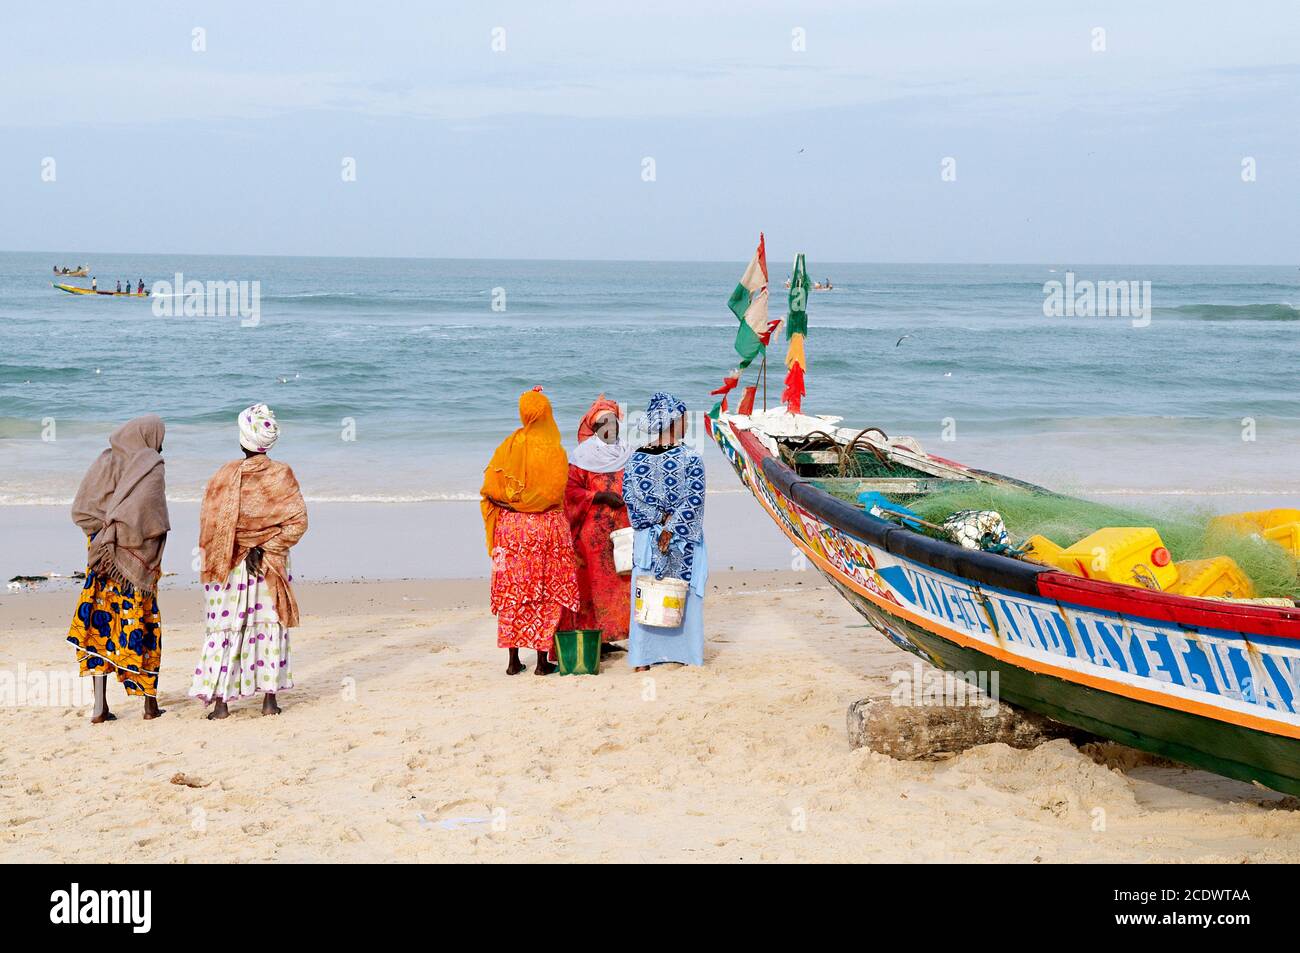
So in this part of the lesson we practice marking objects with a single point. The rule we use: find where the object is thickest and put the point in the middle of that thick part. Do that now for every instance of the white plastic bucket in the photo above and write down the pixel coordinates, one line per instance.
(622, 540)
(661, 603)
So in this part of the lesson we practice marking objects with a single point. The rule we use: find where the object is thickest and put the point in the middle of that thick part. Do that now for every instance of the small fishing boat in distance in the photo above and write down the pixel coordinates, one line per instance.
(80, 271)
(74, 290)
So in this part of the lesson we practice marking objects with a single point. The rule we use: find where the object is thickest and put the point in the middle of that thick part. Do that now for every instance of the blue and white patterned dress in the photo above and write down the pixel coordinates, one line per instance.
(670, 481)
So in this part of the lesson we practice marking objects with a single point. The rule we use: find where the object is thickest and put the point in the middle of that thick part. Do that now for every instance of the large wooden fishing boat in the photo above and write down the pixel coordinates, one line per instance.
(1211, 683)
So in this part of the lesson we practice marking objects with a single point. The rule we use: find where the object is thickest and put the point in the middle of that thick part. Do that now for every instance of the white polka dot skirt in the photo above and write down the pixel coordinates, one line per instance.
(245, 649)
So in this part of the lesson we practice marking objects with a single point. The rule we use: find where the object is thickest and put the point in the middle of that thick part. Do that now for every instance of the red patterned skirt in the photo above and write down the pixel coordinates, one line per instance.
(534, 578)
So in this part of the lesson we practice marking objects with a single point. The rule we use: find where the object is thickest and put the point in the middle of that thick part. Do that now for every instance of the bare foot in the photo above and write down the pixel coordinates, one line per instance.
(642, 668)
(151, 709)
(219, 710)
(106, 716)
(515, 667)
(269, 706)
(543, 667)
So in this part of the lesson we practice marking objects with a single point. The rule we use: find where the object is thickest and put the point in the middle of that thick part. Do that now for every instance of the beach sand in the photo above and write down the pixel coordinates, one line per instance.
(405, 741)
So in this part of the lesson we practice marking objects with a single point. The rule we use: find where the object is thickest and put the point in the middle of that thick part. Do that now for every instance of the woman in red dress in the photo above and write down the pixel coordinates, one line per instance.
(593, 503)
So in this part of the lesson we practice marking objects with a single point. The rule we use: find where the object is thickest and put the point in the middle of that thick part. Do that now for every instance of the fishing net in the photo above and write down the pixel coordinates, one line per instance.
(1066, 520)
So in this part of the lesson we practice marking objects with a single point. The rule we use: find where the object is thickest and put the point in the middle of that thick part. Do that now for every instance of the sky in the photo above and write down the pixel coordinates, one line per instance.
(668, 130)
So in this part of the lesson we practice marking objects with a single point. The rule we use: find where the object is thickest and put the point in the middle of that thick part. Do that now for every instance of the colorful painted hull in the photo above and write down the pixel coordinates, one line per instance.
(74, 290)
(1210, 684)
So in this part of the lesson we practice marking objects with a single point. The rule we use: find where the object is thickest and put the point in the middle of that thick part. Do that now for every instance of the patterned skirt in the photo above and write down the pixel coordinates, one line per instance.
(245, 648)
(114, 631)
(534, 578)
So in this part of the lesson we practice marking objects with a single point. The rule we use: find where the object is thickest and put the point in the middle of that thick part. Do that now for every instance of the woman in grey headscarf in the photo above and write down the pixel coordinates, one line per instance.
(121, 506)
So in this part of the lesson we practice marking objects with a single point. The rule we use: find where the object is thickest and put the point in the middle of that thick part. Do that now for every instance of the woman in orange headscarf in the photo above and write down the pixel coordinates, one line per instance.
(594, 505)
(534, 574)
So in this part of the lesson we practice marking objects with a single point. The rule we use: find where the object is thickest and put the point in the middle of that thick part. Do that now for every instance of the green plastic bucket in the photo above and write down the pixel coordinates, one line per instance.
(578, 651)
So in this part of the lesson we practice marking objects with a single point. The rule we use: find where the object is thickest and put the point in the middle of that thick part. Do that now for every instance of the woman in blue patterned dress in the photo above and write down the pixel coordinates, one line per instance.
(663, 487)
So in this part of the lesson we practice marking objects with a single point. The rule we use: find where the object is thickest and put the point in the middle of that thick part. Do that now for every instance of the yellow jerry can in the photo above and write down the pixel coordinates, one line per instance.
(1132, 555)
(1281, 526)
(1217, 578)
(1256, 521)
(1041, 550)
(1286, 535)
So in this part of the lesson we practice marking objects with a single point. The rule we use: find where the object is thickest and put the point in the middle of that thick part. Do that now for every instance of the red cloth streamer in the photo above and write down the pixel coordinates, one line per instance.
(747, 401)
(766, 336)
(794, 389)
(728, 384)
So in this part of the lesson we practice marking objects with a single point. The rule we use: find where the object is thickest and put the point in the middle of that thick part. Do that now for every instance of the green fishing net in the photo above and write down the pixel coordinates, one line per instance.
(1066, 520)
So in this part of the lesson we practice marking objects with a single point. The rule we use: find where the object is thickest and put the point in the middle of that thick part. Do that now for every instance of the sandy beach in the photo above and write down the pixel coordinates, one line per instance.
(404, 741)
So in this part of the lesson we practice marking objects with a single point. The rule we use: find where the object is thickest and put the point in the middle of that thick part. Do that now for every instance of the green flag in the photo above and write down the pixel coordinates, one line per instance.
(797, 322)
(749, 304)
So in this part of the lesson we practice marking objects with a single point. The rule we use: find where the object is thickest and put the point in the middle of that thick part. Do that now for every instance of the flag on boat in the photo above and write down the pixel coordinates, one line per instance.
(796, 328)
(749, 304)
(728, 385)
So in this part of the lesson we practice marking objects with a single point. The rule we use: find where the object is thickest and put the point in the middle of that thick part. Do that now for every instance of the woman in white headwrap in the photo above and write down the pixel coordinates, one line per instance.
(253, 512)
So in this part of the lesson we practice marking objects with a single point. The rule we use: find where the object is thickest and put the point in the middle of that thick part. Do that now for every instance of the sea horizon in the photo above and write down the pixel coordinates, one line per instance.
(395, 378)
(972, 263)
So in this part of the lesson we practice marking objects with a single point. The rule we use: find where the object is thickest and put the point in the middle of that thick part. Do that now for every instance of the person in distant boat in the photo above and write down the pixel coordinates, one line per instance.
(534, 573)
(252, 514)
(119, 286)
(593, 504)
(663, 486)
(94, 283)
(140, 288)
(121, 506)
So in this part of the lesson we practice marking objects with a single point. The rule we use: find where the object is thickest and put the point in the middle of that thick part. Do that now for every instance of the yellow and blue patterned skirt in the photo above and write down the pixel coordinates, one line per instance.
(114, 631)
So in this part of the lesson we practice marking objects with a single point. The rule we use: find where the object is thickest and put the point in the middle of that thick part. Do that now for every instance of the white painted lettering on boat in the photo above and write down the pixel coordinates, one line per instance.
(1112, 642)
(1182, 648)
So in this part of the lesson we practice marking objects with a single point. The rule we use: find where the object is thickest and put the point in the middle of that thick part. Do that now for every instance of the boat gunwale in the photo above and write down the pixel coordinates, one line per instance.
(1012, 574)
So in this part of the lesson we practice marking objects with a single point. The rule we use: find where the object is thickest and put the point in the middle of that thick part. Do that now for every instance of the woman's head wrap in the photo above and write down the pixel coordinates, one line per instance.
(593, 454)
(258, 430)
(122, 505)
(529, 469)
(602, 407)
(662, 412)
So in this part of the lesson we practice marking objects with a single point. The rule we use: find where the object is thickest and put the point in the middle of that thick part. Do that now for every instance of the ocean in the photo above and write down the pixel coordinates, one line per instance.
(394, 379)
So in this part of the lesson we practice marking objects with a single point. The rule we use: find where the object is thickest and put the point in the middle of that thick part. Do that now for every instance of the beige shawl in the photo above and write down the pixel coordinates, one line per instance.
(122, 504)
(250, 503)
